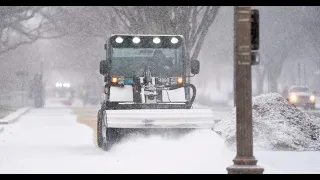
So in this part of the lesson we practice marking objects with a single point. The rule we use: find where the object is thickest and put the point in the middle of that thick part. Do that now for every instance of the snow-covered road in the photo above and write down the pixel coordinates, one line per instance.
(51, 141)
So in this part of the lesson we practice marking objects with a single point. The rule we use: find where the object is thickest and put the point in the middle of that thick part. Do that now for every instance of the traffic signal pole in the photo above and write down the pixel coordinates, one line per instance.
(246, 43)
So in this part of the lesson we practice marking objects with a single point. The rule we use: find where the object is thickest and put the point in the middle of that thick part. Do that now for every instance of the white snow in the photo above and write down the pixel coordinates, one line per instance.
(59, 103)
(277, 125)
(51, 141)
(288, 162)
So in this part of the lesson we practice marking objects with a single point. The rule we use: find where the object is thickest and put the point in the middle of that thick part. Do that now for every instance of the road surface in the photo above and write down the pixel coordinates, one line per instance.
(51, 140)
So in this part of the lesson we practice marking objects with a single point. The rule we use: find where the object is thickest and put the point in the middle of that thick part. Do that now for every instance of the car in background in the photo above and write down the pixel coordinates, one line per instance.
(302, 96)
(62, 90)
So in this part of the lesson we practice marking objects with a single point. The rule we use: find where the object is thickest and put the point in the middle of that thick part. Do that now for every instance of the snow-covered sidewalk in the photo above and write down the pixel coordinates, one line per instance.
(11, 118)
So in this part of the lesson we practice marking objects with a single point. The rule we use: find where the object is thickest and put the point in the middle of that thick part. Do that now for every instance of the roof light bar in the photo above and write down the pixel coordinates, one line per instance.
(174, 40)
(136, 40)
(119, 40)
(156, 40)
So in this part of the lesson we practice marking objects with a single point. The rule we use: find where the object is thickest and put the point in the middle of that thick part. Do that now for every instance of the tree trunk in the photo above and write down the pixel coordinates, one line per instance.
(218, 82)
(259, 83)
(273, 83)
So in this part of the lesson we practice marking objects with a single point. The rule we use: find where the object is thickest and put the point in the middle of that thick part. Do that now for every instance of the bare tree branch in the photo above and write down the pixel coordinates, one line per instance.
(204, 33)
(171, 20)
(14, 22)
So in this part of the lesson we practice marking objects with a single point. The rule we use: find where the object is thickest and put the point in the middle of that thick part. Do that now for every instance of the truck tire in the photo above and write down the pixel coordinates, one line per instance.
(106, 137)
(112, 136)
(99, 128)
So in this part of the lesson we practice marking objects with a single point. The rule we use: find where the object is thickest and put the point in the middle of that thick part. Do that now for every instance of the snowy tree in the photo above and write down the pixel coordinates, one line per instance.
(95, 23)
(98, 21)
(192, 22)
(20, 25)
(279, 40)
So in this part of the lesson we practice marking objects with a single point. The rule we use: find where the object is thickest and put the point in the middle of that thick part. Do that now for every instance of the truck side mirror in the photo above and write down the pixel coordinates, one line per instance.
(255, 58)
(195, 67)
(104, 66)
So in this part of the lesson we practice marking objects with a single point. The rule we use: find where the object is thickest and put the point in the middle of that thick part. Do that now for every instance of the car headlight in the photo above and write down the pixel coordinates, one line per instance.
(66, 85)
(58, 84)
(312, 98)
(293, 98)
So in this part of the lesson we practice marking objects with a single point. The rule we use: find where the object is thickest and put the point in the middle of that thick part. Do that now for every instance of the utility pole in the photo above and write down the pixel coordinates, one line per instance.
(299, 73)
(234, 54)
(305, 74)
(246, 39)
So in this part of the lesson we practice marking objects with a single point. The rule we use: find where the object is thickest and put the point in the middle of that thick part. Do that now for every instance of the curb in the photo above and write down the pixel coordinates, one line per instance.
(13, 117)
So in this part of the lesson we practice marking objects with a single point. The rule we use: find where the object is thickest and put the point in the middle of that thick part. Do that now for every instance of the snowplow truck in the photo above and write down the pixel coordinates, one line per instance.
(147, 85)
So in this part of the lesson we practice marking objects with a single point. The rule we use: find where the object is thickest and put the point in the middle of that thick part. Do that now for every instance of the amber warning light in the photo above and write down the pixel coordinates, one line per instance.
(114, 80)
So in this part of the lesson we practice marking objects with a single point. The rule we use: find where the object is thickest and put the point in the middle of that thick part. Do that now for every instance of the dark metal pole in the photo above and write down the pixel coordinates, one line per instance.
(305, 75)
(299, 73)
(234, 54)
(244, 162)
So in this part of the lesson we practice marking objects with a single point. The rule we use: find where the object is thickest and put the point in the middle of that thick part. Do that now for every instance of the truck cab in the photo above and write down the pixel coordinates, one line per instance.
(156, 62)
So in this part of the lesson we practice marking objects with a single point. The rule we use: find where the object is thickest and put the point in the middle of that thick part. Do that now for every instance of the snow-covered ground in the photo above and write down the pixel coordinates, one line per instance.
(51, 141)
(289, 162)
(58, 103)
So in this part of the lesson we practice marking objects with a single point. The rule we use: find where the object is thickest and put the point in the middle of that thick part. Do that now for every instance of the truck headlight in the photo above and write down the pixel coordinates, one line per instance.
(176, 80)
(312, 98)
(180, 80)
(117, 80)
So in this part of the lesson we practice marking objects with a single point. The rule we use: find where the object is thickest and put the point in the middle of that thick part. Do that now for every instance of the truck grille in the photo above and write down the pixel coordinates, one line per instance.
(303, 99)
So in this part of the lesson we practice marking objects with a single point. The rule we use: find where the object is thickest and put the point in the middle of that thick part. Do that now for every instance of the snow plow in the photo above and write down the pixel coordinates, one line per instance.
(147, 85)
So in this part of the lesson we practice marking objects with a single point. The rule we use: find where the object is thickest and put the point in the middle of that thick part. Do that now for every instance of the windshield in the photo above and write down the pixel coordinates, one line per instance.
(300, 89)
(131, 62)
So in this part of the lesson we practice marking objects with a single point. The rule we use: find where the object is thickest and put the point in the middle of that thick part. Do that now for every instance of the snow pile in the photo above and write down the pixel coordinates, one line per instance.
(277, 125)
